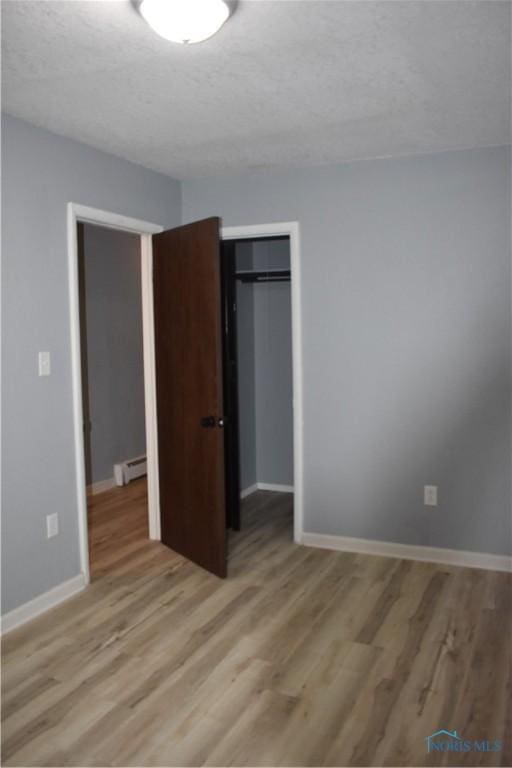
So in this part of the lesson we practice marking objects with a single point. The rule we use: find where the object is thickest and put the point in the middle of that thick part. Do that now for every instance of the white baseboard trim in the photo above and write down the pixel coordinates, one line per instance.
(249, 490)
(42, 603)
(275, 487)
(266, 487)
(409, 552)
(100, 486)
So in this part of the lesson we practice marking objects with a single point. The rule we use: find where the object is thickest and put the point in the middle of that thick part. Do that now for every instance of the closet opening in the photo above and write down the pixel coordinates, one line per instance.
(258, 382)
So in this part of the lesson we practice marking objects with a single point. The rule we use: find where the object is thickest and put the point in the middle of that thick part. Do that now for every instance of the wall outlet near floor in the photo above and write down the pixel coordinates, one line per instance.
(52, 525)
(430, 495)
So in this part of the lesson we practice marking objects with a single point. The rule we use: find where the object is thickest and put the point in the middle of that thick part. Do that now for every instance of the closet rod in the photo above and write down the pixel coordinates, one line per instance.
(264, 276)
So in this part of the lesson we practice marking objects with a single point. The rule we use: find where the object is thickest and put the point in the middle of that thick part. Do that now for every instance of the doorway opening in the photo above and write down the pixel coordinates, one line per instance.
(258, 379)
(78, 216)
(285, 259)
(112, 366)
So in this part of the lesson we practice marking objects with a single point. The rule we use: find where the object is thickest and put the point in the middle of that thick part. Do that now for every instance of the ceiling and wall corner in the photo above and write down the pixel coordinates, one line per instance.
(328, 81)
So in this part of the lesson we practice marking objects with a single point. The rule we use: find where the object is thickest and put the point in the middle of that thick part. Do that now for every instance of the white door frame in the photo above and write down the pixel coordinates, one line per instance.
(287, 229)
(81, 213)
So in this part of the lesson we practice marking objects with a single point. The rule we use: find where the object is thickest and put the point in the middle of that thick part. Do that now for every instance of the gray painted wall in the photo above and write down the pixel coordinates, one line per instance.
(274, 383)
(273, 367)
(265, 368)
(246, 380)
(406, 322)
(42, 172)
(115, 361)
(271, 254)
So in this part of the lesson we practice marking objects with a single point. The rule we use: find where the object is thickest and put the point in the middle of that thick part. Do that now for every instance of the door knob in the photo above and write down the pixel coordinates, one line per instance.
(220, 422)
(208, 422)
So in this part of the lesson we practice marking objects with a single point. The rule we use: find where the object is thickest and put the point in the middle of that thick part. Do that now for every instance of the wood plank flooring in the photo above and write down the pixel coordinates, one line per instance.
(118, 526)
(301, 657)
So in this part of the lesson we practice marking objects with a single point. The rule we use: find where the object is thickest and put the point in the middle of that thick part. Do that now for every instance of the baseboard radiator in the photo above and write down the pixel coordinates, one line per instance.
(130, 470)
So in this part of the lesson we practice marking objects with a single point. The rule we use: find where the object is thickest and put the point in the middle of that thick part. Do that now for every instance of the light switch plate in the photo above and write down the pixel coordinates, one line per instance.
(44, 364)
(52, 525)
(430, 495)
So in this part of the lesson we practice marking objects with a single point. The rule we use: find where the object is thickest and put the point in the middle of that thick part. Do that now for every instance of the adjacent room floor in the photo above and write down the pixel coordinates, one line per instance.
(117, 526)
(301, 657)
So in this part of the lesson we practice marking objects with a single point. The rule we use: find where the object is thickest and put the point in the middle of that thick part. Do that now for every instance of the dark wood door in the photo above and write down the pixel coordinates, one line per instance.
(188, 352)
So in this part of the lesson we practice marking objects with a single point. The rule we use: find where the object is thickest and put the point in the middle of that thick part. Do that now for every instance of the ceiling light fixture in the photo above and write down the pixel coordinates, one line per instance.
(185, 21)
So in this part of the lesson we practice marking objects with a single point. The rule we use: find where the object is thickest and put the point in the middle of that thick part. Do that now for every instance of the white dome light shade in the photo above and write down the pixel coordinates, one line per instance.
(185, 21)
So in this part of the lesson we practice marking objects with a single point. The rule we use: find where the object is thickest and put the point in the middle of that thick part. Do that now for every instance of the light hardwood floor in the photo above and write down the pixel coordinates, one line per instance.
(301, 657)
(118, 527)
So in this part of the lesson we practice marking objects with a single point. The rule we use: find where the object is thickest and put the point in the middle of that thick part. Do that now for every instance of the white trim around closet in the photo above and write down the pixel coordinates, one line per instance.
(287, 229)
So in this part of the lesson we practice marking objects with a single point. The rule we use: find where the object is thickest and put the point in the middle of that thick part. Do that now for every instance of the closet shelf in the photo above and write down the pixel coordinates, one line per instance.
(263, 275)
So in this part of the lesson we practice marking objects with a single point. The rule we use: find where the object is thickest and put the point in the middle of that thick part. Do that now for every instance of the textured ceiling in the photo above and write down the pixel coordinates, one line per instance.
(284, 83)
